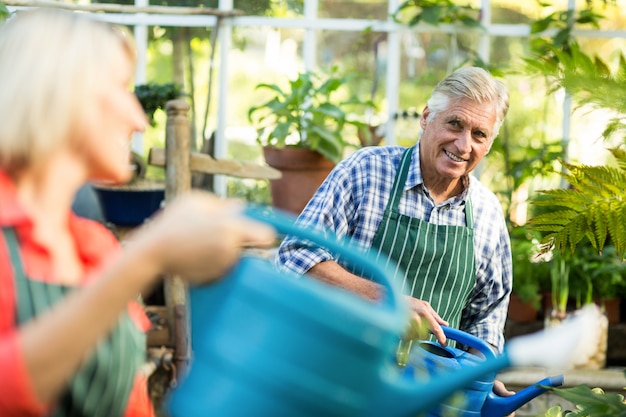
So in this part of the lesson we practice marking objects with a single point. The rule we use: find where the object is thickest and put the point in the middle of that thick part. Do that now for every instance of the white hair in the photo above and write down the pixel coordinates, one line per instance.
(51, 62)
(475, 84)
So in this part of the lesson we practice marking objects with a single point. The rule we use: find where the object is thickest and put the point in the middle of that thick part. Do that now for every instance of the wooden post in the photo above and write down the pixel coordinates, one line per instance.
(177, 181)
(177, 149)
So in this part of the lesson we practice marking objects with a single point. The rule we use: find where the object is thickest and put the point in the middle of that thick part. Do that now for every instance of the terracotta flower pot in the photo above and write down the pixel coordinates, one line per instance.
(303, 171)
(520, 311)
(611, 308)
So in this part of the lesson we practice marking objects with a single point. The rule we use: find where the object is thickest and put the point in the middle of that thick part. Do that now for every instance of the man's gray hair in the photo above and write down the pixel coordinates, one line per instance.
(475, 84)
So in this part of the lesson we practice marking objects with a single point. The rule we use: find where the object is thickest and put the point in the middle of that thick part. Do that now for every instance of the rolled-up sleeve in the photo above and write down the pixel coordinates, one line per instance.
(328, 212)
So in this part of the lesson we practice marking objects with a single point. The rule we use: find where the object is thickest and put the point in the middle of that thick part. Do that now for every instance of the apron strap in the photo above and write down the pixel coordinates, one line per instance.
(16, 261)
(469, 216)
(25, 308)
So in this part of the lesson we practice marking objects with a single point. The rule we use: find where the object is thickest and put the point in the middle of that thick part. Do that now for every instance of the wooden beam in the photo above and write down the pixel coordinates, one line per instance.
(206, 164)
(122, 8)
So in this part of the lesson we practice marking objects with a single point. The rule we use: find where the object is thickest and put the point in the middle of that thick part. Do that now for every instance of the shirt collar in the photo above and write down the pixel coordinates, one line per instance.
(414, 179)
(11, 211)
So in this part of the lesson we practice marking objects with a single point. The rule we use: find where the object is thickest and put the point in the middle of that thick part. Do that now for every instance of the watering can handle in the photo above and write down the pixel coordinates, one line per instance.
(285, 223)
(470, 341)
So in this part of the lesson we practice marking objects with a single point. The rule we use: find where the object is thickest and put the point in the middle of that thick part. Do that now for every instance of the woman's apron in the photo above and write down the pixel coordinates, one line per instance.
(102, 385)
(436, 262)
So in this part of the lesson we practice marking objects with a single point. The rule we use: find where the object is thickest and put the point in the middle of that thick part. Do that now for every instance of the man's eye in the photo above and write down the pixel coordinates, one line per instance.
(481, 135)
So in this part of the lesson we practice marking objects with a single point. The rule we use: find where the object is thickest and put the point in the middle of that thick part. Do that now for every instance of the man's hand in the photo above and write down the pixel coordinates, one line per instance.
(424, 311)
(500, 389)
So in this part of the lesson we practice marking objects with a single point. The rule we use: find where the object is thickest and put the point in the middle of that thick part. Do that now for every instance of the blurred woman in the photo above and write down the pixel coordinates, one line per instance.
(71, 338)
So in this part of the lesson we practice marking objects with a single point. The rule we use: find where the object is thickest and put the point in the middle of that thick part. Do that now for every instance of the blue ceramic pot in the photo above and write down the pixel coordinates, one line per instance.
(129, 206)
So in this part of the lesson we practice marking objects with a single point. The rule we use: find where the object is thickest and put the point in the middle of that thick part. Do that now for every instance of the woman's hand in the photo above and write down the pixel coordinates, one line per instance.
(200, 236)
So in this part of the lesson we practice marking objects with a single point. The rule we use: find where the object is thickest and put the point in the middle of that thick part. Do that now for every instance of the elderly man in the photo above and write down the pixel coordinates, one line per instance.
(422, 208)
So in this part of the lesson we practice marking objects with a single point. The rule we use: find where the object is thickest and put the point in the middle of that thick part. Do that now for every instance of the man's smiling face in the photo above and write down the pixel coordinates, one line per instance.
(456, 139)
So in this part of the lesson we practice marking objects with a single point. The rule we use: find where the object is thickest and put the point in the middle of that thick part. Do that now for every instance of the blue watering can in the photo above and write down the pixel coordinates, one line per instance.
(477, 399)
(270, 343)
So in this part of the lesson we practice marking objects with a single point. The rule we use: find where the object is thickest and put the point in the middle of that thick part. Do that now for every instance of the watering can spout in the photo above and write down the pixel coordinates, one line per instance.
(405, 398)
(496, 406)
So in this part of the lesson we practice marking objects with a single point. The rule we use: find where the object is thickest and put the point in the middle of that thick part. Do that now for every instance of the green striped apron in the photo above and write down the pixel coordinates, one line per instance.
(435, 262)
(102, 385)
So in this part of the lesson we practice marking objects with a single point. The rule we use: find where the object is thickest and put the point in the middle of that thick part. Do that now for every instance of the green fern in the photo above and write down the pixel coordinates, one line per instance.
(588, 79)
(594, 205)
(592, 208)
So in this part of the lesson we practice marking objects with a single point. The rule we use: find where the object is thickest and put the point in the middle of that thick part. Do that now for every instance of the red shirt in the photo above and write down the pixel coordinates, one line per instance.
(95, 245)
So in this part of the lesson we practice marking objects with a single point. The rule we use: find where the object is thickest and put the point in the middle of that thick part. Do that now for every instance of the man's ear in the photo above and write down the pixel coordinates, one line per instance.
(424, 118)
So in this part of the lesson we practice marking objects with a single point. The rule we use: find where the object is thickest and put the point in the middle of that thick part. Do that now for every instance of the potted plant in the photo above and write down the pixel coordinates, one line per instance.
(302, 131)
(599, 277)
(528, 273)
(153, 96)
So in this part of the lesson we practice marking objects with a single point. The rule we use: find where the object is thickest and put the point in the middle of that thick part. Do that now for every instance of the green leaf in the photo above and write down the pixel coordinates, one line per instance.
(330, 110)
(327, 143)
(432, 15)
(330, 85)
(541, 25)
(4, 12)
(554, 412)
(601, 227)
(280, 133)
(154, 96)
(588, 16)
(415, 20)
(562, 36)
(592, 403)
(471, 22)
(272, 87)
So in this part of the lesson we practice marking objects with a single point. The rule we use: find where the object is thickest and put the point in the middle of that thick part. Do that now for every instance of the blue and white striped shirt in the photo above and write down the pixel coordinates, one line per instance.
(351, 203)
